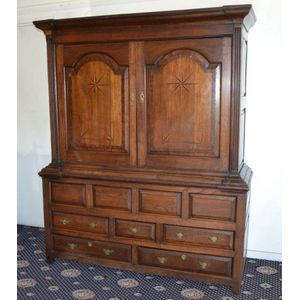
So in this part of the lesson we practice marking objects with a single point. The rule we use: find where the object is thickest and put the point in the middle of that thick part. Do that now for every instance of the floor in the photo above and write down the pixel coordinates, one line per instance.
(65, 280)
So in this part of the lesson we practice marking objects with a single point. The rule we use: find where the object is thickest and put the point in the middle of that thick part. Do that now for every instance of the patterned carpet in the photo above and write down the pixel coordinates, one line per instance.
(65, 280)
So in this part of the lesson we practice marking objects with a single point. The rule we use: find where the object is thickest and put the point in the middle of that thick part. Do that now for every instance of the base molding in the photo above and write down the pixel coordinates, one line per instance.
(264, 255)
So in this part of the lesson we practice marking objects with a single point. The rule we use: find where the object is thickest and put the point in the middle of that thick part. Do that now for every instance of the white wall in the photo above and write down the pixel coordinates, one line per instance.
(262, 127)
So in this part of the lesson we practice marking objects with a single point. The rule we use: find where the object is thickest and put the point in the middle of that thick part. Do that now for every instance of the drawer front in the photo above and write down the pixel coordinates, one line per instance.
(80, 223)
(67, 194)
(197, 236)
(212, 207)
(185, 261)
(137, 230)
(112, 198)
(160, 202)
(106, 250)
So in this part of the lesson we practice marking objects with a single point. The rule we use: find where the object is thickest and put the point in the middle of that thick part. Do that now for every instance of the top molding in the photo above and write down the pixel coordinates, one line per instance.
(234, 14)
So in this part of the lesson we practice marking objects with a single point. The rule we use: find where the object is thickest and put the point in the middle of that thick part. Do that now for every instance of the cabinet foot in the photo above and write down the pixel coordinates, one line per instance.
(50, 259)
(236, 288)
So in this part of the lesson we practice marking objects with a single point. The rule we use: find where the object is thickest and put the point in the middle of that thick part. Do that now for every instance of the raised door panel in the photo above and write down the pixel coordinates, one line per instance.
(187, 104)
(94, 112)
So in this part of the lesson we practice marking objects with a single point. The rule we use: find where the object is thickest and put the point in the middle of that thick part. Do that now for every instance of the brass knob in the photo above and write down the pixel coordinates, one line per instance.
(213, 239)
(64, 221)
(162, 260)
(93, 225)
(142, 97)
(108, 251)
(179, 235)
(203, 265)
(72, 245)
(90, 244)
(134, 230)
(183, 257)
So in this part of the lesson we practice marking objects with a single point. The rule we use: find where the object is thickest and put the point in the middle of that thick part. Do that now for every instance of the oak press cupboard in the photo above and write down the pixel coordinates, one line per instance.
(147, 133)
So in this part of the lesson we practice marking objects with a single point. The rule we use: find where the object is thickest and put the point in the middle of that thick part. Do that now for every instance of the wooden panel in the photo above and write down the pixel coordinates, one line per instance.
(137, 230)
(67, 194)
(112, 197)
(197, 236)
(185, 261)
(214, 207)
(80, 223)
(160, 202)
(106, 250)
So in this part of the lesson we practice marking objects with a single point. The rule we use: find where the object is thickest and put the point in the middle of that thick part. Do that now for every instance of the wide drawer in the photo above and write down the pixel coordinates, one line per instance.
(98, 249)
(80, 223)
(137, 230)
(185, 261)
(198, 236)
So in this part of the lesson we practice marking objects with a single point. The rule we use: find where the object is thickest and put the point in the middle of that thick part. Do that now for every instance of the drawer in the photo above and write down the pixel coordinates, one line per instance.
(98, 249)
(137, 230)
(67, 193)
(112, 198)
(198, 236)
(160, 202)
(185, 261)
(80, 223)
(212, 207)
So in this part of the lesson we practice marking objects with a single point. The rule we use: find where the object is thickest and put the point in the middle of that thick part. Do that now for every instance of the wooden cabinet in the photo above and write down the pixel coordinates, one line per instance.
(147, 133)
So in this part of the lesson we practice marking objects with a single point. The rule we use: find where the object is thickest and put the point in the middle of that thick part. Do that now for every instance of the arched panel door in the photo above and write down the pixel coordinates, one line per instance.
(93, 105)
(187, 98)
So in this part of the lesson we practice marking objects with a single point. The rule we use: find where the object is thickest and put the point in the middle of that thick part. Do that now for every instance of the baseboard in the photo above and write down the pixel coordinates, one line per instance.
(264, 255)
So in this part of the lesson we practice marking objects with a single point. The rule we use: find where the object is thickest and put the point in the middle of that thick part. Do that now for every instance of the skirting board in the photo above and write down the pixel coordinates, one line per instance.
(264, 255)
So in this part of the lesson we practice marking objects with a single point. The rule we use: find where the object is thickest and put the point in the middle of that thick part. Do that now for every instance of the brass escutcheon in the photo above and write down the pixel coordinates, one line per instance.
(90, 244)
(183, 257)
(108, 251)
(65, 221)
(179, 235)
(213, 239)
(162, 260)
(72, 245)
(203, 265)
(93, 225)
(134, 230)
(142, 97)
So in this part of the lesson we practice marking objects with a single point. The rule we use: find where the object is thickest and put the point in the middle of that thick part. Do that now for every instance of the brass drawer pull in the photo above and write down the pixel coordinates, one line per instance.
(93, 225)
(134, 230)
(214, 239)
(162, 260)
(183, 257)
(179, 235)
(64, 221)
(203, 265)
(72, 245)
(108, 251)
(90, 244)
(142, 97)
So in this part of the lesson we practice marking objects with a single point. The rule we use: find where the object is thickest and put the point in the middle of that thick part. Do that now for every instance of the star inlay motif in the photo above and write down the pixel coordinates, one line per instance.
(96, 84)
(182, 83)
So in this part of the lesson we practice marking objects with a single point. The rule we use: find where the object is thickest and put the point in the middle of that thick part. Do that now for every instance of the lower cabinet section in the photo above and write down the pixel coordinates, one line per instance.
(185, 261)
(97, 249)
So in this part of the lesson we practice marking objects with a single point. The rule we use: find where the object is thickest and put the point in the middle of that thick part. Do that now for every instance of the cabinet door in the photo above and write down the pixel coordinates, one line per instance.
(94, 113)
(184, 115)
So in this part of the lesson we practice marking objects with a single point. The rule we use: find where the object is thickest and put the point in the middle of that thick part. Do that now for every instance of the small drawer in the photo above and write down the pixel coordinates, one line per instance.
(185, 261)
(212, 207)
(67, 194)
(80, 223)
(160, 202)
(198, 237)
(137, 230)
(106, 250)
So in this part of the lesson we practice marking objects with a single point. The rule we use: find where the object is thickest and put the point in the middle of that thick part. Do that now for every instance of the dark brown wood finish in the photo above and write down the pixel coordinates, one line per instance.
(147, 119)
